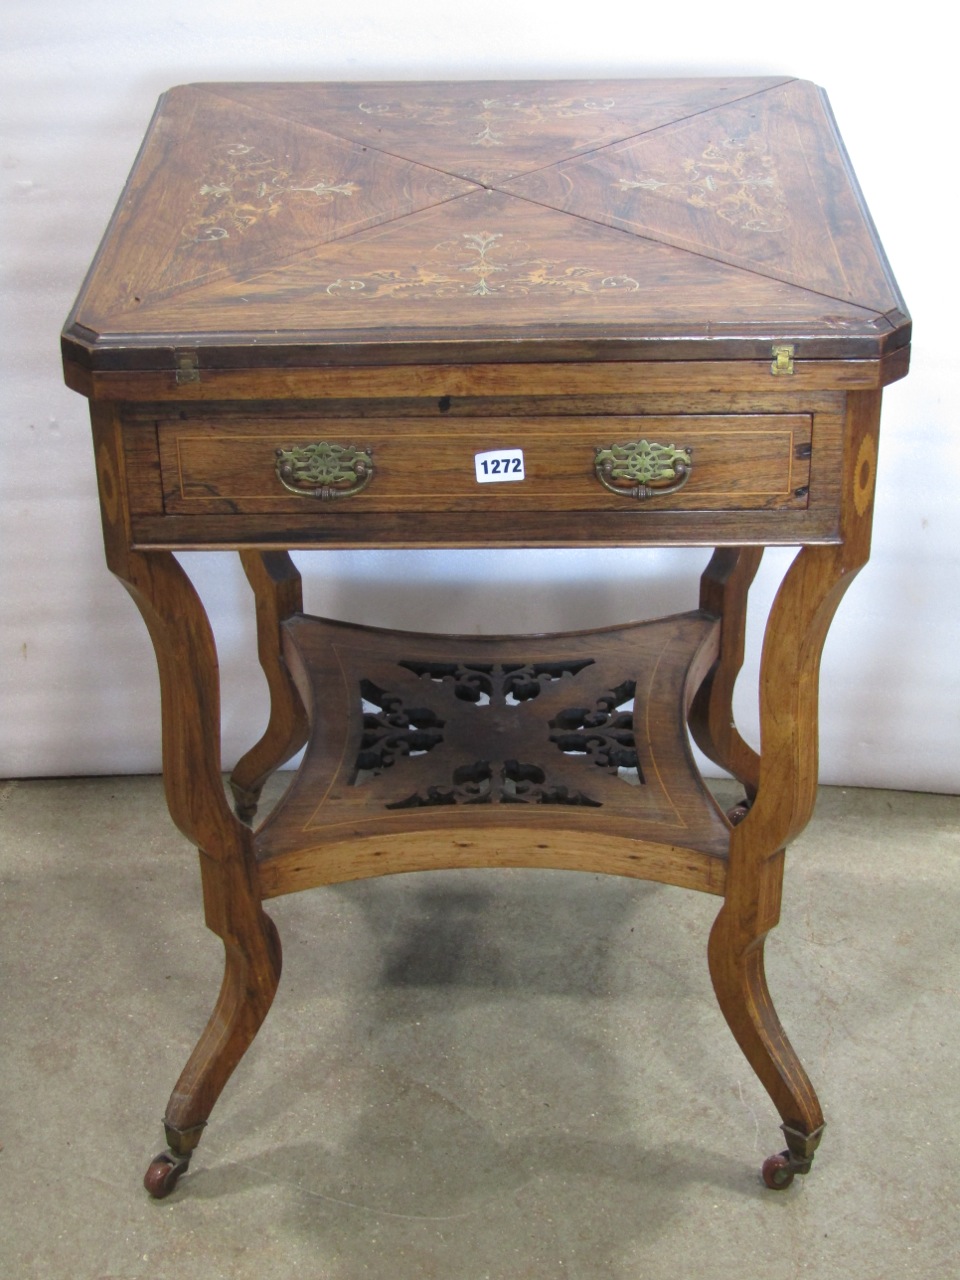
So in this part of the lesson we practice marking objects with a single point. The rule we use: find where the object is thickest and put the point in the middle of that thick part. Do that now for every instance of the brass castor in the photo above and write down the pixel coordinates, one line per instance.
(777, 1171)
(245, 802)
(164, 1173)
(739, 811)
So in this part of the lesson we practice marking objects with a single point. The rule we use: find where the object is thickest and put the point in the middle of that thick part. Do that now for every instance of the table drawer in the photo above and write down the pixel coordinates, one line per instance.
(706, 462)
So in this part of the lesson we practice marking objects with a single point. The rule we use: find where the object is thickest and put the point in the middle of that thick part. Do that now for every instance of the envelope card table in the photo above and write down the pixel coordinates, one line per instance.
(541, 314)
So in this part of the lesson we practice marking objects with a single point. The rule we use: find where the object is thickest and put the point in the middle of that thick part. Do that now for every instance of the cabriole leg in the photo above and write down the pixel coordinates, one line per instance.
(251, 974)
(785, 795)
(278, 592)
(740, 983)
(190, 703)
(724, 587)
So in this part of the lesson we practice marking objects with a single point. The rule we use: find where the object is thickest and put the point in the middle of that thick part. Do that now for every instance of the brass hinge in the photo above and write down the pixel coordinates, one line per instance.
(782, 360)
(188, 367)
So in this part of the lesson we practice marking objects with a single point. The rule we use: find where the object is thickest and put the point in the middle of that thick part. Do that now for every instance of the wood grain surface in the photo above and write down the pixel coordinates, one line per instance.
(584, 220)
(427, 272)
(562, 750)
(427, 464)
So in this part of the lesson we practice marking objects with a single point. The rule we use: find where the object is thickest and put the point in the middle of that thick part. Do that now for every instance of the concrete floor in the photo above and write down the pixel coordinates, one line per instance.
(492, 1075)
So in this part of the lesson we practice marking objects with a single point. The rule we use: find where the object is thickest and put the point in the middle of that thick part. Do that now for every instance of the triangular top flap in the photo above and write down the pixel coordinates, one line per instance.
(760, 183)
(490, 131)
(221, 188)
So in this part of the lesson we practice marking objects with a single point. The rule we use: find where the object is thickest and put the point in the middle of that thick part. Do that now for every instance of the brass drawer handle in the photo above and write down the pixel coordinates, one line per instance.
(645, 465)
(324, 471)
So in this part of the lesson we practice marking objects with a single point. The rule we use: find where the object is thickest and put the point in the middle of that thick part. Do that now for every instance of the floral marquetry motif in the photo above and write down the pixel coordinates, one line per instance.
(488, 122)
(244, 185)
(479, 264)
(735, 178)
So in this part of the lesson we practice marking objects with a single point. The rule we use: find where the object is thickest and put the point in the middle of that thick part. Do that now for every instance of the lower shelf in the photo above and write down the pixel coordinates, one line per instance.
(565, 751)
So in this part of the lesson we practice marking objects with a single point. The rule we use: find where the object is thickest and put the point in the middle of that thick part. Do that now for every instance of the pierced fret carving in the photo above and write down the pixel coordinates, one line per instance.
(527, 784)
(604, 734)
(517, 681)
(430, 734)
(471, 785)
(478, 709)
(473, 683)
(391, 731)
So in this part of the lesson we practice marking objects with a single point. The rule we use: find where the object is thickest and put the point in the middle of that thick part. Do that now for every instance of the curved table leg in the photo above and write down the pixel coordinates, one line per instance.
(277, 589)
(735, 956)
(190, 702)
(797, 627)
(251, 973)
(724, 587)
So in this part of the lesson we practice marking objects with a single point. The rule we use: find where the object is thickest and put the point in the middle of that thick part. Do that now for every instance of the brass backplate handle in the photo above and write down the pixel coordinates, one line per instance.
(325, 471)
(642, 470)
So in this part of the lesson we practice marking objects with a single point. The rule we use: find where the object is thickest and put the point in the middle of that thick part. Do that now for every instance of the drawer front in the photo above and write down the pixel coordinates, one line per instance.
(740, 462)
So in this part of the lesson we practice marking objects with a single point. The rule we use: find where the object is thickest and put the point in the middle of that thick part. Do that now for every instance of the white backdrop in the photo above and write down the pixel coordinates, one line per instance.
(78, 83)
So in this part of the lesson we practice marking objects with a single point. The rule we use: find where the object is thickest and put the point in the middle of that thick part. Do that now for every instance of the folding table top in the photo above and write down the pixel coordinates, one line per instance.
(306, 224)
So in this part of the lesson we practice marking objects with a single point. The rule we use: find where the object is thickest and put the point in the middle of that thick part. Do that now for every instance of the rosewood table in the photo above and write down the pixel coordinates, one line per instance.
(599, 314)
